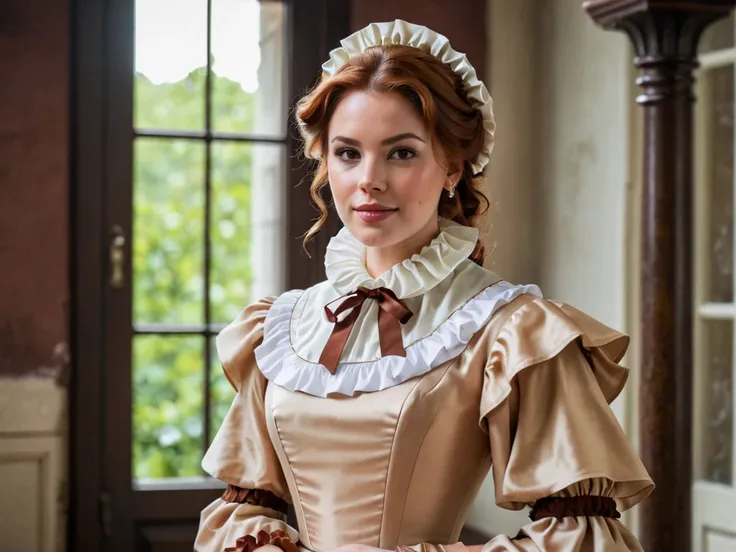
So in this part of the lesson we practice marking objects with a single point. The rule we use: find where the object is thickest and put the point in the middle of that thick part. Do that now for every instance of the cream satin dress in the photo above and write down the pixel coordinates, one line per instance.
(390, 451)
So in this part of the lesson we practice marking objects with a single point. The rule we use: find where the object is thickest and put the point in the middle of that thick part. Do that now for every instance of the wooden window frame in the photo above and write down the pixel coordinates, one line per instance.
(99, 35)
(710, 499)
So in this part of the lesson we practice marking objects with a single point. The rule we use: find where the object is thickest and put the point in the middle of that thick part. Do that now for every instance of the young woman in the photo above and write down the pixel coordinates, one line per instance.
(377, 401)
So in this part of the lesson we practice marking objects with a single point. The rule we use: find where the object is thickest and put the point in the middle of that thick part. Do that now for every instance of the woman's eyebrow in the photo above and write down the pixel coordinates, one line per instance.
(386, 142)
(350, 141)
(399, 137)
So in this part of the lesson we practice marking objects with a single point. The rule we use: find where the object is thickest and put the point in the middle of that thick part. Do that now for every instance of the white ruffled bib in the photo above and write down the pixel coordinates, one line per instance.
(450, 296)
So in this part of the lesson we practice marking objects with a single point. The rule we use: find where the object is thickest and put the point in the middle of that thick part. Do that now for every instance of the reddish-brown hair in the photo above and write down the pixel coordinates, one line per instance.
(437, 94)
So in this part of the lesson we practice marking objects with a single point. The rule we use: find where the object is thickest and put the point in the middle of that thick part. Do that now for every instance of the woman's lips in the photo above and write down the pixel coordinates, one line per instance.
(374, 213)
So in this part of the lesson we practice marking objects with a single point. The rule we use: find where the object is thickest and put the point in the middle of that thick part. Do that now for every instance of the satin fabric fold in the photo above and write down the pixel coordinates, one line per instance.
(242, 454)
(226, 525)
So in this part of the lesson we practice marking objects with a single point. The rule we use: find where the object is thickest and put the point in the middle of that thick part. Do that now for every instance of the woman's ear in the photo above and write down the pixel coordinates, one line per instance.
(454, 172)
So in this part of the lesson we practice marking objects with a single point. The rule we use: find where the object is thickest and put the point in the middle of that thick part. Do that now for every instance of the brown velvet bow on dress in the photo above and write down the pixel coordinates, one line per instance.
(392, 312)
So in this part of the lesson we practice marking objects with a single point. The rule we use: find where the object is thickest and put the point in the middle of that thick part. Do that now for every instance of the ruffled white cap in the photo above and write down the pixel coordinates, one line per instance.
(400, 32)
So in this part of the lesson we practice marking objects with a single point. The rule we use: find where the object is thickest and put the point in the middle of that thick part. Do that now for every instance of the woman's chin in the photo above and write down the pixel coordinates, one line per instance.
(375, 234)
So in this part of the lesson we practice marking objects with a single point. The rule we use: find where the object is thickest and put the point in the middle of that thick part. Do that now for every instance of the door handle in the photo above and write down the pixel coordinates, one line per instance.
(117, 258)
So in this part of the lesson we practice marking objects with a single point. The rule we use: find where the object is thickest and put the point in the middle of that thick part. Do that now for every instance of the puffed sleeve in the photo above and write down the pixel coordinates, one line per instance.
(555, 443)
(252, 510)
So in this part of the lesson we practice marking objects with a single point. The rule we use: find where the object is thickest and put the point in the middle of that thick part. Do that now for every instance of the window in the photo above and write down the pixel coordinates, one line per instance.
(210, 139)
(186, 207)
(715, 305)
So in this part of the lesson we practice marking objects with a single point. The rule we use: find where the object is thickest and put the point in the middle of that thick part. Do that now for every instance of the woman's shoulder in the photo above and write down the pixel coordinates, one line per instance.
(241, 342)
(237, 341)
(541, 320)
(532, 330)
(248, 327)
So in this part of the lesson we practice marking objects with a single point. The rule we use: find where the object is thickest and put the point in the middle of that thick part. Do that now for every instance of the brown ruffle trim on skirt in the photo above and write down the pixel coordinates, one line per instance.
(256, 497)
(424, 547)
(574, 506)
(248, 543)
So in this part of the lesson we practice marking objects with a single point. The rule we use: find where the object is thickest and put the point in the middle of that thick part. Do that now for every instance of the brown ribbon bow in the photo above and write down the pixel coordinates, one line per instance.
(392, 312)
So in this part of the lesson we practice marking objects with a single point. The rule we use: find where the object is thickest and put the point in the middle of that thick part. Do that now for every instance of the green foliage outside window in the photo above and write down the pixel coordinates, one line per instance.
(168, 250)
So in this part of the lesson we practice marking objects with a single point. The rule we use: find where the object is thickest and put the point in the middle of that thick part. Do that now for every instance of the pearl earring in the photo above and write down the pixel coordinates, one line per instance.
(452, 193)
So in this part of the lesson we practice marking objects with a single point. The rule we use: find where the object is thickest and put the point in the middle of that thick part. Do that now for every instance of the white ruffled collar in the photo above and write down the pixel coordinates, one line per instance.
(452, 298)
(345, 262)
(283, 366)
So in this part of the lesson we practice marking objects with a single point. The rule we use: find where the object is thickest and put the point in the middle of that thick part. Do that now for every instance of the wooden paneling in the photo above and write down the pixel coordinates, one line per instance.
(714, 522)
(464, 23)
(32, 465)
(30, 512)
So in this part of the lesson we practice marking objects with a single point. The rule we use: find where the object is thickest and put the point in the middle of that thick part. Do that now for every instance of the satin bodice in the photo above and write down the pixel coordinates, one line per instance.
(384, 468)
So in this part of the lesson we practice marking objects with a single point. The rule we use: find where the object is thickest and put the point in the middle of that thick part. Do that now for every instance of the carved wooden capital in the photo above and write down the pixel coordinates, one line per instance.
(665, 35)
(608, 12)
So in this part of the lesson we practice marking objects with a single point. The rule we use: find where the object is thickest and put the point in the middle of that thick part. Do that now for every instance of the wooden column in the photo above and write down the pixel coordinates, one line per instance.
(665, 34)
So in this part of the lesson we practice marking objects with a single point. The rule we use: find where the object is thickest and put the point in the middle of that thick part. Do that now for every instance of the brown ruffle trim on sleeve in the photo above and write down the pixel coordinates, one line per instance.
(256, 497)
(249, 543)
(574, 506)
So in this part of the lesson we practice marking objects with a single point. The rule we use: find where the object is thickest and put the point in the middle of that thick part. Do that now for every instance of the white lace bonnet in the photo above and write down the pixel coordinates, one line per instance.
(417, 36)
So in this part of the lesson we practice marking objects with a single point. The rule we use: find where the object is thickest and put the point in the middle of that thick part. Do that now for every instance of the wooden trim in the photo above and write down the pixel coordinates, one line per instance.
(702, 276)
(326, 21)
(712, 514)
(117, 470)
(42, 455)
(161, 506)
(86, 268)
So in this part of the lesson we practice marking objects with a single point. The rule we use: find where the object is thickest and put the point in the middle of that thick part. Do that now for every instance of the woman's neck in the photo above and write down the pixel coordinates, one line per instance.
(380, 259)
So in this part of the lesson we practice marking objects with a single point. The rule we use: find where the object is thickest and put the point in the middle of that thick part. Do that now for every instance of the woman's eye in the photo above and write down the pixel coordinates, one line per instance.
(403, 154)
(348, 154)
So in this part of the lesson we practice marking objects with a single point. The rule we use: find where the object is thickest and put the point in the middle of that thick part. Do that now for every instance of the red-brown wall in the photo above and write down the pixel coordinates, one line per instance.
(34, 182)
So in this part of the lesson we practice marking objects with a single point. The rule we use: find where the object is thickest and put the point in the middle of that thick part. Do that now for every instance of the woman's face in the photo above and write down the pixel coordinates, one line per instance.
(384, 176)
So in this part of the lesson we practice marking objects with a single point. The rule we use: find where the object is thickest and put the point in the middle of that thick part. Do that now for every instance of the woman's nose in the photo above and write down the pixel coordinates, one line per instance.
(373, 177)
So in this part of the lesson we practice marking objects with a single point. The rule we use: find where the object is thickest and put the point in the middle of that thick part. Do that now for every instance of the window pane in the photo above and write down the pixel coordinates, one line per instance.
(168, 231)
(222, 393)
(718, 36)
(247, 219)
(168, 406)
(718, 362)
(170, 64)
(248, 81)
(718, 97)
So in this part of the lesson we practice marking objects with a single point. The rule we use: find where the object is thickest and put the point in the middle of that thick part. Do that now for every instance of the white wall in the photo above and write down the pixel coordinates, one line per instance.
(582, 109)
(560, 171)
(511, 174)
